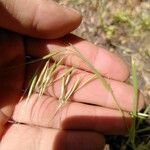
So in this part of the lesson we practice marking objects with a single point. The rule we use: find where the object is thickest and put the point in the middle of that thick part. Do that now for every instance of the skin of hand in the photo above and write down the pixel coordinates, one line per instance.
(91, 112)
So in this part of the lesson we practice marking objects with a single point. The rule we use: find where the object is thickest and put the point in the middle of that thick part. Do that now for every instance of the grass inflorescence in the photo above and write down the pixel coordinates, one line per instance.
(40, 81)
(45, 77)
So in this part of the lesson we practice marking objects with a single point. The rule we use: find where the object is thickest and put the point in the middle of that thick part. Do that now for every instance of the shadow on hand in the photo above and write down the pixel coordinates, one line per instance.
(78, 140)
(79, 132)
(102, 124)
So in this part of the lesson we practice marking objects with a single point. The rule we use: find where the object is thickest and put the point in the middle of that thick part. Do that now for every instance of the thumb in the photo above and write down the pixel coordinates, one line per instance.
(38, 18)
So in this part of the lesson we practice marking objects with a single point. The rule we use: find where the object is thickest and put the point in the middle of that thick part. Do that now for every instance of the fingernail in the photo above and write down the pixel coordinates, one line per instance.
(69, 8)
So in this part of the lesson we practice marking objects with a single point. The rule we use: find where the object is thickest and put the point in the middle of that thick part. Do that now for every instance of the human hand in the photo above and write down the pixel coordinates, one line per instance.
(37, 129)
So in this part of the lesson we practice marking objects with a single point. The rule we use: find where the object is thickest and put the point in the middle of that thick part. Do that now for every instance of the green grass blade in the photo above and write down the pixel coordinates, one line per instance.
(135, 90)
(132, 131)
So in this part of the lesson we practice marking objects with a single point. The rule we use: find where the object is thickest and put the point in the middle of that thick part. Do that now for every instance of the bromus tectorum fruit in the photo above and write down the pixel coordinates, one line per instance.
(40, 82)
(45, 77)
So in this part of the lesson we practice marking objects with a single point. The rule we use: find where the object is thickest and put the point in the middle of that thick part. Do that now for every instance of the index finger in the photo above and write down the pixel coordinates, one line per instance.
(107, 63)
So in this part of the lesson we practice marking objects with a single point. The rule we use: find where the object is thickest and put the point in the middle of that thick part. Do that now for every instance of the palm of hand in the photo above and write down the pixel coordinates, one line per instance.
(38, 127)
